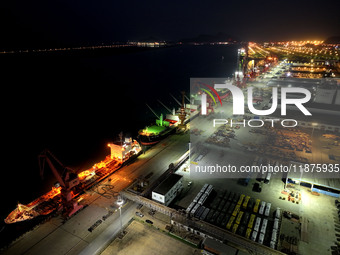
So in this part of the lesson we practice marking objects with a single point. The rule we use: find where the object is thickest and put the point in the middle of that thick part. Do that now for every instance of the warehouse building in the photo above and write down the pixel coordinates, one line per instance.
(167, 190)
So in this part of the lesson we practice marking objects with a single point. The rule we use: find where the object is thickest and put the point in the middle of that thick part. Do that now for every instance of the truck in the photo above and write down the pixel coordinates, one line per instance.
(203, 199)
(251, 221)
(240, 199)
(239, 217)
(230, 222)
(263, 205)
(256, 207)
(245, 202)
(274, 235)
(197, 197)
(190, 207)
(253, 236)
(257, 224)
(276, 224)
(267, 179)
(236, 210)
(261, 237)
(204, 214)
(264, 226)
(278, 213)
(267, 211)
(235, 227)
(199, 212)
(248, 232)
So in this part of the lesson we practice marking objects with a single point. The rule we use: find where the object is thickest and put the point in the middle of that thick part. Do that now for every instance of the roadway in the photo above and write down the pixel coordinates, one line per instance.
(234, 154)
(106, 237)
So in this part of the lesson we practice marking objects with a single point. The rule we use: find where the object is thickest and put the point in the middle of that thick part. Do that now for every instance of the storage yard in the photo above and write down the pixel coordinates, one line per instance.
(238, 213)
(245, 212)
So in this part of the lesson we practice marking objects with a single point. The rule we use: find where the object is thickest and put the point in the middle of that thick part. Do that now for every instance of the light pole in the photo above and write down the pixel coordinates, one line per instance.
(189, 156)
(311, 139)
(313, 125)
(120, 202)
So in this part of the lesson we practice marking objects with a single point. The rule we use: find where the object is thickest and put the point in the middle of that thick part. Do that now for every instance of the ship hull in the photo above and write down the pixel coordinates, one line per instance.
(51, 201)
(154, 139)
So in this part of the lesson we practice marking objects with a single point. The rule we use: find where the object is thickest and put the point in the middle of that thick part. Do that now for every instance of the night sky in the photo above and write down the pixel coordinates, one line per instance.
(35, 24)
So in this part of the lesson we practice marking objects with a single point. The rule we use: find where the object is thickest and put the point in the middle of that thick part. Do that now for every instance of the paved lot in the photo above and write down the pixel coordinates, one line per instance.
(319, 210)
(142, 239)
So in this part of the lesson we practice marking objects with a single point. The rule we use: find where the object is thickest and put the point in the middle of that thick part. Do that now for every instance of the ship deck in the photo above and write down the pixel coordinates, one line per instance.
(155, 129)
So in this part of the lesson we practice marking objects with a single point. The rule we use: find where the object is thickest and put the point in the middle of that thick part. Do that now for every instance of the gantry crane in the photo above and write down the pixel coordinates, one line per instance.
(68, 181)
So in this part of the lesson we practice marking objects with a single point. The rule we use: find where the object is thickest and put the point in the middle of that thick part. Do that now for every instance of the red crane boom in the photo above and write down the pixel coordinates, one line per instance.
(67, 179)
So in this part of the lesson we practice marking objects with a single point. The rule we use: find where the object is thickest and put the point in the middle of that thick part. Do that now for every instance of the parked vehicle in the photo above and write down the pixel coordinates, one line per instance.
(272, 245)
(267, 179)
(253, 236)
(248, 232)
(264, 226)
(245, 203)
(250, 204)
(236, 210)
(261, 237)
(274, 235)
(278, 213)
(239, 217)
(256, 207)
(267, 211)
(235, 227)
(251, 221)
(139, 214)
(257, 187)
(257, 224)
(263, 205)
(276, 224)
(230, 222)
(241, 199)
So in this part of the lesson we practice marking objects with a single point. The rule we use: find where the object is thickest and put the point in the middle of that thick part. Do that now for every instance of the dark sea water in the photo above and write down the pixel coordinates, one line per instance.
(75, 104)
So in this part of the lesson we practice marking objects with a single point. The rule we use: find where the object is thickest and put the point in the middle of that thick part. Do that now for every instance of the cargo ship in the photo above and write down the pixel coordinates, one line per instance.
(121, 153)
(151, 135)
(173, 122)
(40, 206)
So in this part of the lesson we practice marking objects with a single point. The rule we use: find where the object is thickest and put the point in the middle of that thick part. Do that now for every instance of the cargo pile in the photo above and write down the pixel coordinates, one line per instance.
(331, 136)
(335, 140)
(282, 143)
(275, 152)
(290, 139)
(222, 136)
(196, 131)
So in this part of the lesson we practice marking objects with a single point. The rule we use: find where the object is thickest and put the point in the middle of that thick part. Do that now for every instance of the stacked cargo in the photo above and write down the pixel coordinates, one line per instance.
(204, 214)
(203, 199)
(291, 139)
(190, 207)
(240, 214)
(193, 211)
(277, 218)
(199, 211)
(196, 207)
(222, 136)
